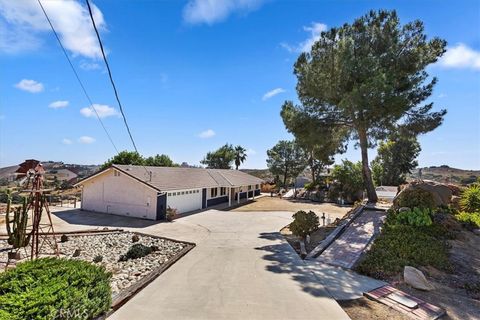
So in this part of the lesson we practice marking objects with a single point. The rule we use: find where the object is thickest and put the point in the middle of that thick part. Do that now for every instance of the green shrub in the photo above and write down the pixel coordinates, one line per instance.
(171, 213)
(412, 198)
(51, 288)
(418, 217)
(136, 251)
(470, 199)
(310, 186)
(470, 220)
(348, 181)
(400, 245)
(304, 223)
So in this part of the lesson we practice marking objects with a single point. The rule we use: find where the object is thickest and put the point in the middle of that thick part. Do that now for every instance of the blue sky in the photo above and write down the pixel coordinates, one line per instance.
(193, 75)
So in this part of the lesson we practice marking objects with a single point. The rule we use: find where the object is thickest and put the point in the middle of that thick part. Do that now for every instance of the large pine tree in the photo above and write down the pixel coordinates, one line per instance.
(369, 78)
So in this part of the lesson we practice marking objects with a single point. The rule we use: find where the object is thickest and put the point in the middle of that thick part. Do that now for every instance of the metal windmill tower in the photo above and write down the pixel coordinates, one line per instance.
(42, 232)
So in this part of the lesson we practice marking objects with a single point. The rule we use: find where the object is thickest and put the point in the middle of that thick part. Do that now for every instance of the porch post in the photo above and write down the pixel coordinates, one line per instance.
(229, 196)
(238, 196)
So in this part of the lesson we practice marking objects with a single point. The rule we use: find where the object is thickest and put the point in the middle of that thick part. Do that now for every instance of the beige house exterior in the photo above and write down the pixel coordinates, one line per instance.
(146, 192)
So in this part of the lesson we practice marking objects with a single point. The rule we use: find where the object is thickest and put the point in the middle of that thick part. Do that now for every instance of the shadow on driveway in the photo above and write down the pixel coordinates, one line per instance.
(88, 218)
(284, 260)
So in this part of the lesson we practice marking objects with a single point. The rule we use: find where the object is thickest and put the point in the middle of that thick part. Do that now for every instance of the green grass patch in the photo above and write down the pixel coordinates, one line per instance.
(51, 288)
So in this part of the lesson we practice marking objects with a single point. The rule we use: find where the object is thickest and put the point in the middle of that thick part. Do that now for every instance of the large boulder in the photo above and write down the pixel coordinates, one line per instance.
(416, 279)
(442, 193)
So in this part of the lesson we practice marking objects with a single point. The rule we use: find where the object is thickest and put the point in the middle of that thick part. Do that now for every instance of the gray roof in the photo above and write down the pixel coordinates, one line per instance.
(173, 178)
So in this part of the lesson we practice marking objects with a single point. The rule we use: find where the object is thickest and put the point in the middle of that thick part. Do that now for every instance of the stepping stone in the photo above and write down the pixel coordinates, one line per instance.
(409, 305)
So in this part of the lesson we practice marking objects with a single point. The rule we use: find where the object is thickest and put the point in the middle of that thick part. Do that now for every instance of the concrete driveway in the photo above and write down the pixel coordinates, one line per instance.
(241, 268)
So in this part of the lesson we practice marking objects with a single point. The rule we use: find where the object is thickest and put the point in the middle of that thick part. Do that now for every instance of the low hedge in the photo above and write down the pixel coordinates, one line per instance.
(403, 245)
(51, 288)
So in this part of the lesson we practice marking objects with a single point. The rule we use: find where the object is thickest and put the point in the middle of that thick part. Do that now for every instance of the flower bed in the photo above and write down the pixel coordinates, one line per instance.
(110, 246)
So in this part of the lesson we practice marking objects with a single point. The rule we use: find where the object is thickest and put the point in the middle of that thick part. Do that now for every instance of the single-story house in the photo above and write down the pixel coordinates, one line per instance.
(146, 192)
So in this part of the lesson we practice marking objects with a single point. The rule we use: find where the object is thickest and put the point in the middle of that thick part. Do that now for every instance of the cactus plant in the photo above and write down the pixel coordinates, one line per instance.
(17, 227)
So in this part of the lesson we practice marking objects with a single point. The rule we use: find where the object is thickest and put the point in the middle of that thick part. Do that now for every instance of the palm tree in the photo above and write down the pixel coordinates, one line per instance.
(240, 156)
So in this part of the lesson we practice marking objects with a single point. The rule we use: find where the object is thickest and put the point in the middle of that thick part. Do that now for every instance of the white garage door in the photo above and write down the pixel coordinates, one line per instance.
(185, 200)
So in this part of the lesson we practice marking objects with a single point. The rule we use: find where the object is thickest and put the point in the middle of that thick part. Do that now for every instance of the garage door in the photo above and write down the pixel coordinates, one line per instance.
(185, 200)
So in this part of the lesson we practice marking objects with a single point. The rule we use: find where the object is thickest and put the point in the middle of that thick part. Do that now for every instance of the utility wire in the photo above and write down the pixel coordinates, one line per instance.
(76, 76)
(110, 74)
(113, 82)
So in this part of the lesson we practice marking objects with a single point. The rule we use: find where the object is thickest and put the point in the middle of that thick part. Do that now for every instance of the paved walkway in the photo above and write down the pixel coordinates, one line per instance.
(343, 284)
(347, 249)
(241, 268)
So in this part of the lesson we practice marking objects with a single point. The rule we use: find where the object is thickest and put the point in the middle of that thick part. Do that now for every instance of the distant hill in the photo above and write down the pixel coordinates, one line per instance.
(447, 174)
(54, 171)
(264, 174)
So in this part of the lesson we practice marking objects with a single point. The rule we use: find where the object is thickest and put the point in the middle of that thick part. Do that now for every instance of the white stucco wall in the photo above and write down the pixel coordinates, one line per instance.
(121, 195)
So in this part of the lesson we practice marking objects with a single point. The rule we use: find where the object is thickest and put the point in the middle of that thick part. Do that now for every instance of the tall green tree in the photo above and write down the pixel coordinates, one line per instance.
(125, 157)
(240, 156)
(286, 159)
(368, 77)
(134, 158)
(160, 160)
(222, 158)
(319, 141)
(396, 157)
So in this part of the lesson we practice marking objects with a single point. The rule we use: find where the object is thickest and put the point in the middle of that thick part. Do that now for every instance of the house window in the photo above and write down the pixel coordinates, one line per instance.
(174, 194)
(213, 192)
(116, 173)
(169, 194)
(256, 186)
(183, 192)
(223, 191)
(249, 187)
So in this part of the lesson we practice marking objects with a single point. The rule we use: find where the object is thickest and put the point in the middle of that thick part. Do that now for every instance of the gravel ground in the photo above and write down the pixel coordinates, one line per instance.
(110, 247)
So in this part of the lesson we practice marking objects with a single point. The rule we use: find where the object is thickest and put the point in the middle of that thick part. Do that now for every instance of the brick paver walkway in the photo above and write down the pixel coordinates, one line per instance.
(347, 249)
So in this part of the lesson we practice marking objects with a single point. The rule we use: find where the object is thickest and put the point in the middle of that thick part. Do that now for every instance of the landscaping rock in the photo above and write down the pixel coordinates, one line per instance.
(455, 202)
(416, 279)
(442, 193)
(104, 249)
(76, 253)
(403, 209)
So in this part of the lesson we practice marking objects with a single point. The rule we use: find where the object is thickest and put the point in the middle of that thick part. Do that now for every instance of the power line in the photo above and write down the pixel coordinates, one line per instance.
(76, 75)
(110, 75)
(113, 82)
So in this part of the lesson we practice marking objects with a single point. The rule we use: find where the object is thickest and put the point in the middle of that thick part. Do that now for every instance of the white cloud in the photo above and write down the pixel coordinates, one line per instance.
(272, 93)
(102, 110)
(58, 104)
(212, 11)
(461, 56)
(250, 152)
(30, 86)
(442, 95)
(315, 29)
(22, 24)
(67, 141)
(85, 65)
(86, 140)
(206, 134)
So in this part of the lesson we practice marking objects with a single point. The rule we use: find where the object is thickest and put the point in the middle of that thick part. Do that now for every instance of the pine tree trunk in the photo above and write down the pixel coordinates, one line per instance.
(312, 169)
(367, 174)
